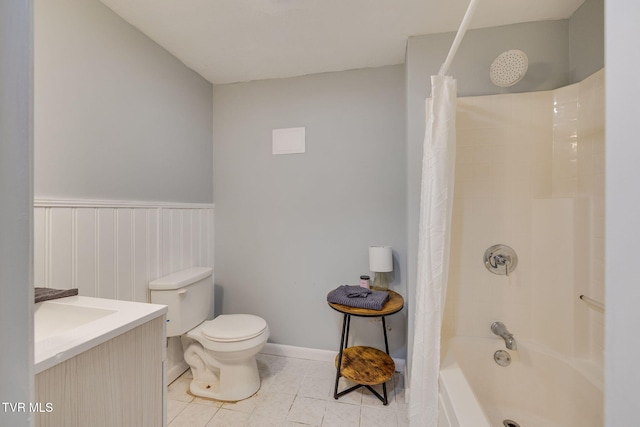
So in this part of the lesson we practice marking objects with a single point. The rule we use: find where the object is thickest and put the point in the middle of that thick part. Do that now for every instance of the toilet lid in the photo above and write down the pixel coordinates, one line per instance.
(234, 327)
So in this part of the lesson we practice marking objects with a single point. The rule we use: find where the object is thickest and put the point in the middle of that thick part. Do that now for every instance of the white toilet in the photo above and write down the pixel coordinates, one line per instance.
(221, 352)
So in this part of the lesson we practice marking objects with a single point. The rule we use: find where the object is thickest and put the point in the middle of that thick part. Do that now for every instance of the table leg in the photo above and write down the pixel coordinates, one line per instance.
(384, 330)
(343, 345)
(346, 337)
(346, 324)
(386, 347)
(384, 390)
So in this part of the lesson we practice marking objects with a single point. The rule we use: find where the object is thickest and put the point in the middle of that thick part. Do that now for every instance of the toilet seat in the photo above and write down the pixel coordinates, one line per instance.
(233, 327)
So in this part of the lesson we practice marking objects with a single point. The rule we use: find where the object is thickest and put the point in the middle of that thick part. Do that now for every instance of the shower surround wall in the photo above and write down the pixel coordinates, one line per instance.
(530, 174)
(561, 52)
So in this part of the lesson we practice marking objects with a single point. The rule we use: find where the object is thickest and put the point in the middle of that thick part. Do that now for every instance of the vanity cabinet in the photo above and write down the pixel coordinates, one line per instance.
(117, 383)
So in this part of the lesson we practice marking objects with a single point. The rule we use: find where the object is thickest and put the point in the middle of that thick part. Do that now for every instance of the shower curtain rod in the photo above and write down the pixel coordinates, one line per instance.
(459, 35)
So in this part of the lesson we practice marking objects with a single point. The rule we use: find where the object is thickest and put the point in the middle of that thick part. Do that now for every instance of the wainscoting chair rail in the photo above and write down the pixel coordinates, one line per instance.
(95, 203)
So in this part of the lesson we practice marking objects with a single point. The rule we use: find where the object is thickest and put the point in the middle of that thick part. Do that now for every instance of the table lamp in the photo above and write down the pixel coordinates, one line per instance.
(380, 262)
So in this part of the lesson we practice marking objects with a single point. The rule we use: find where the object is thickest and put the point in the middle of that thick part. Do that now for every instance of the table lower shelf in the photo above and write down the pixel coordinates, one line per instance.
(366, 365)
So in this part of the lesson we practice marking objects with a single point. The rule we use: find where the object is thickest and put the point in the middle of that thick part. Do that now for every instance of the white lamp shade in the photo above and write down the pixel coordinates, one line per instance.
(380, 259)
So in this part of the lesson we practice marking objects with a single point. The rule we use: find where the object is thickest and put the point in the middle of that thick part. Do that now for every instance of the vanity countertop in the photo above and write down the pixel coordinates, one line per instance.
(66, 327)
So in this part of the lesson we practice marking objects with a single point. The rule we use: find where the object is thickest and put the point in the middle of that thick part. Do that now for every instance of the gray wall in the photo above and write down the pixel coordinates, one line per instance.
(16, 218)
(116, 116)
(586, 40)
(290, 228)
(622, 317)
(547, 44)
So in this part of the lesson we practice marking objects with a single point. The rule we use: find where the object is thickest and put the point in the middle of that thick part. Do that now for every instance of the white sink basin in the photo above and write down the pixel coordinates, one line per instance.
(55, 318)
(66, 327)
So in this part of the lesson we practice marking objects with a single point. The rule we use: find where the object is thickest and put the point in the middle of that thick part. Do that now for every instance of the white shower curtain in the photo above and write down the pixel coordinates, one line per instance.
(436, 205)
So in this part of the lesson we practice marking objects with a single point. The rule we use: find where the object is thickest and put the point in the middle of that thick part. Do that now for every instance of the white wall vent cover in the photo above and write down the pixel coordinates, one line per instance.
(288, 141)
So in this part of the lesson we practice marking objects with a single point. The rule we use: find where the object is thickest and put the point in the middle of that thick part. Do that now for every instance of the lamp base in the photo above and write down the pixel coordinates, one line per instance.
(380, 282)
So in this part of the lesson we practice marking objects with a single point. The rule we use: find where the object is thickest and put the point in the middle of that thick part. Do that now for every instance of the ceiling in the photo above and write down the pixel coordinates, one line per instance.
(229, 41)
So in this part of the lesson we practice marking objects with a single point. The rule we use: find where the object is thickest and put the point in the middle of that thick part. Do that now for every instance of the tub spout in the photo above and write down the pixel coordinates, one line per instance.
(510, 342)
(499, 329)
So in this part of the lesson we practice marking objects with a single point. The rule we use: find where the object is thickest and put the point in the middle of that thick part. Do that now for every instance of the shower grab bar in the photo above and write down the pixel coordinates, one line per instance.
(591, 301)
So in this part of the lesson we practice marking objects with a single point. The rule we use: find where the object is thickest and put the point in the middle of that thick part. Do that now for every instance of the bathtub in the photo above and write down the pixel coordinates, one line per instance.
(538, 389)
(66, 327)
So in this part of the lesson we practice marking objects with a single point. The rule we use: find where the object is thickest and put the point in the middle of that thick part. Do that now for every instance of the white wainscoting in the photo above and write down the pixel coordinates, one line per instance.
(112, 249)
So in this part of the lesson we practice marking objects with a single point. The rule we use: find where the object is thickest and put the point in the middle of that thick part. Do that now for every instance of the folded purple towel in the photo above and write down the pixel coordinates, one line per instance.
(45, 294)
(373, 301)
(357, 291)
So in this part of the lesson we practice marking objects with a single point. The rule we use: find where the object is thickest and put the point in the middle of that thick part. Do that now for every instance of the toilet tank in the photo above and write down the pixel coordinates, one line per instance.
(188, 295)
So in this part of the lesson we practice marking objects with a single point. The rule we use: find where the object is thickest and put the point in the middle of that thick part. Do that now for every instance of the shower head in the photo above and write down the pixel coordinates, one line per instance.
(509, 68)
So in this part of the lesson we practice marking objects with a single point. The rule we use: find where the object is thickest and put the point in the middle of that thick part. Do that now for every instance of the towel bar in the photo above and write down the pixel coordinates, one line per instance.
(592, 302)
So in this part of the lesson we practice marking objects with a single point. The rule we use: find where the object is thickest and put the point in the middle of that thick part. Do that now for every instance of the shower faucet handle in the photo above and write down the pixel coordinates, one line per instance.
(499, 260)
(502, 260)
(498, 256)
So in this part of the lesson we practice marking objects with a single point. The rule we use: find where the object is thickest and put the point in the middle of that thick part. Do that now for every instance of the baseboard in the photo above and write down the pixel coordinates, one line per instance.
(299, 352)
(313, 354)
(175, 371)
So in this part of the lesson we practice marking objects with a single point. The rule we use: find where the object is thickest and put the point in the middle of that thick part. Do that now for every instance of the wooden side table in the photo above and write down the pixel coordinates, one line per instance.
(365, 366)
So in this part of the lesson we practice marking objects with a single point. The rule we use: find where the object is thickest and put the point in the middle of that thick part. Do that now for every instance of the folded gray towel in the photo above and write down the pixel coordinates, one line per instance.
(373, 301)
(357, 291)
(45, 294)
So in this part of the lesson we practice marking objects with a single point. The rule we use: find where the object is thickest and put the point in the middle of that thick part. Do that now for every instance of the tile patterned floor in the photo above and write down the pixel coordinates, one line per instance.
(294, 393)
